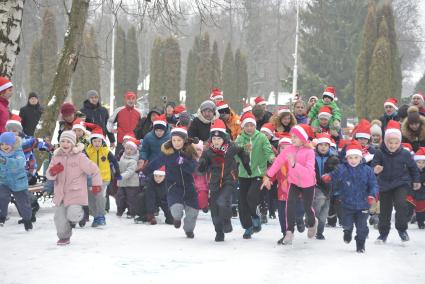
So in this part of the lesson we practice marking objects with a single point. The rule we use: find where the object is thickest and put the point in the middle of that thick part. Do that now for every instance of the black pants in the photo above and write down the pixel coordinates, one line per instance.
(420, 218)
(154, 198)
(281, 209)
(397, 198)
(334, 211)
(249, 199)
(359, 219)
(221, 205)
(291, 206)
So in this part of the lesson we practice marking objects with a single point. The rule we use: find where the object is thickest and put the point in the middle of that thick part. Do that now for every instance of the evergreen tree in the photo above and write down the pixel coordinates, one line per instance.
(156, 72)
(241, 74)
(87, 74)
(203, 72)
(120, 80)
(171, 71)
(370, 32)
(380, 72)
(215, 67)
(229, 78)
(420, 86)
(36, 67)
(132, 60)
(190, 82)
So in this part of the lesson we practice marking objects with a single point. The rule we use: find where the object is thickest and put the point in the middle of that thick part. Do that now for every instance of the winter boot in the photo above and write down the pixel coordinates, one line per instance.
(272, 215)
(256, 224)
(190, 235)
(86, 215)
(27, 225)
(289, 237)
(280, 241)
(140, 220)
(2, 221)
(320, 236)
(234, 211)
(72, 224)
(151, 219)
(360, 246)
(300, 225)
(219, 237)
(248, 233)
(311, 231)
(227, 226)
(96, 222)
(348, 236)
(63, 242)
(403, 236)
(381, 239)
(177, 223)
(169, 220)
(102, 220)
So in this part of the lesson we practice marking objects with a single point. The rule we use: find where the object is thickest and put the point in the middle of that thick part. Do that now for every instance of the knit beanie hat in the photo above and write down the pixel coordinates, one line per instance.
(184, 119)
(32, 95)
(92, 93)
(413, 115)
(70, 136)
(375, 128)
(8, 138)
(67, 109)
(207, 105)
(392, 131)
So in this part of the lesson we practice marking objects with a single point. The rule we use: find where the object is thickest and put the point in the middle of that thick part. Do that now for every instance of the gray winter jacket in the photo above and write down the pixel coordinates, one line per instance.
(128, 167)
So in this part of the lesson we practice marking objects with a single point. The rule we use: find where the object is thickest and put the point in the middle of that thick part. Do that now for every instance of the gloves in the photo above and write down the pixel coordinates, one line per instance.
(58, 168)
(96, 189)
(371, 200)
(337, 124)
(326, 178)
(2, 160)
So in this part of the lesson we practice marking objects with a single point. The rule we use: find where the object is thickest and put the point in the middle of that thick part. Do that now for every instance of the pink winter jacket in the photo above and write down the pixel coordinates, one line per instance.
(303, 174)
(70, 185)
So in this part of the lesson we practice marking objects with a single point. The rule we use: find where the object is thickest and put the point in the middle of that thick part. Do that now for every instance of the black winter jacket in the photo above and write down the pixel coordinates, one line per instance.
(99, 115)
(30, 115)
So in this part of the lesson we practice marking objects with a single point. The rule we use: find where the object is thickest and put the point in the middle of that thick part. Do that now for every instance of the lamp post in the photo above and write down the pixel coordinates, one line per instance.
(295, 75)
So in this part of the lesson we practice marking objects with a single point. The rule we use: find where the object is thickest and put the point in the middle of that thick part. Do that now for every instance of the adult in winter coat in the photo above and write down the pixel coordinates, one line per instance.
(145, 124)
(413, 129)
(284, 120)
(418, 101)
(262, 116)
(201, 124)
(390, 113)
(230, 118)
(126, 118)
(300, 112)
(5, 94)
(30, 114)
(97, 114)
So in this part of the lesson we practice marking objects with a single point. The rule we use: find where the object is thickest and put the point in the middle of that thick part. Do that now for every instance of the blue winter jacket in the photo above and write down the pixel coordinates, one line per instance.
(399, 168)
(12, 170)
(151, 146)
(355, 184)
(178, 178)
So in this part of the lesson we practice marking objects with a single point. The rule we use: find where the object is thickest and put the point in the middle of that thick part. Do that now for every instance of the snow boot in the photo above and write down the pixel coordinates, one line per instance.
(234, 212)
(320, 236)
(382, 239)
(360, 246)
(311, 231)
(248, 233)
(27, 225)
(169, 221)
(177, 223)
(256, 224)
(421, 226)
(219, 237)
(86, 218)
(289, 237)
(227, 226)
(2, 221)
(140, 220)
(403, 236)
(348, 236)
(96, 222)
(63, 242)
(280, 241)
(151, 219)
(102, 220)
(300, 225)
(190, 235)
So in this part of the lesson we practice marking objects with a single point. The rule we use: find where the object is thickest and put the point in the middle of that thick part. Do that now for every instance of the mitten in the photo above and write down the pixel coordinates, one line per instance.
(96, 189)
(326, 178)
(371, 200)
(58, 168)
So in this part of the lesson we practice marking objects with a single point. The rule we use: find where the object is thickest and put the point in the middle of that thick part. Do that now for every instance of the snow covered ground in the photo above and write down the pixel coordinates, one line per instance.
(124, 252)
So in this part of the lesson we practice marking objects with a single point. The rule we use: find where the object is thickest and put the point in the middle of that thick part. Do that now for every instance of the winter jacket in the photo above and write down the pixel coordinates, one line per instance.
(303, 173)
(4, 113)
(64, 126)
(29, 144)
(151, 146)
(179, 178)
(99, 115)
(319, 129)
(265, 119)
(172, 120)
(386, 118)
(126, 119)
(233, 125)
(70, 185)
(415, 138)
(353, 185)
(200, 127)
(30, 115)
(259, 156)
(12, 168)
(314, 111)
(301, 119)
(103, 159)
(221, 168)
(128, 167)
(145, 124)
(325, 164)
(420, 194)
(399, 168)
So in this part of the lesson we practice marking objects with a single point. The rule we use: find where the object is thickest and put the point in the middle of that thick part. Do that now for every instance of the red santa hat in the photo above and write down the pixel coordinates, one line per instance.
(160, 171)
(178, 110)
(221, 105)
(303, 132)
(285, 139)
(130, 95)
(354, 148)
(325, 112)
(268, 128)
(218, 125)
(419, 95)
(246, 108)
(160, 122)
(391, 102)
(362, 129)
(282, 110)
(333, 143)
(313, 98)
(260, 101)
(330, 92)
(343, 142)
(129, 135)
(393, 130)
(5, 84)
(248, 118)
(133, 142)
(79, 124)
(179, 131)
(216, 94)
(14, 123)
(408, 147)
(420, 154)
(97, 133)
(323, 138)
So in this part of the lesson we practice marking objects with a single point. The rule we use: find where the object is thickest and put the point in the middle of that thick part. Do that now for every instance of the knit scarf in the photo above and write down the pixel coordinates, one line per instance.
(219, 152)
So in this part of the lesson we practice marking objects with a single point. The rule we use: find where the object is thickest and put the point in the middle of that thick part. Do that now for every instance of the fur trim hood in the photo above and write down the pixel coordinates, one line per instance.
(413, 135)
(188, 149)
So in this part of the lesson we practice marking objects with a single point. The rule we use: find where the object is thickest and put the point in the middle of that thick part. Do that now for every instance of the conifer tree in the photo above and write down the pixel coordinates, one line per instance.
(229, 78)
(171, 73)
(203, 71)
(132, 60)
(120, 80)
(241, 74)
(156, 71)
(215, 67)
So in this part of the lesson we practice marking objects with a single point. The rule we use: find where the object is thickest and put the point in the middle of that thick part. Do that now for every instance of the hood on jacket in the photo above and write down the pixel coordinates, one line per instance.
(412, 135)
(188, 149)
(204, 120)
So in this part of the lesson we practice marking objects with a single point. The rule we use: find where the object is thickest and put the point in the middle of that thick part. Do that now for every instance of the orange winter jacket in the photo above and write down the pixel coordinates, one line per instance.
(233, 125)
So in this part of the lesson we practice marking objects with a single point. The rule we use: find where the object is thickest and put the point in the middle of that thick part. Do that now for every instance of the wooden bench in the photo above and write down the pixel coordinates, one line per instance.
(35, 188)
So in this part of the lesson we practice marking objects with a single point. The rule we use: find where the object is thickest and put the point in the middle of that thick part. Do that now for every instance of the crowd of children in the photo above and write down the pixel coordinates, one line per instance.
(296, 162)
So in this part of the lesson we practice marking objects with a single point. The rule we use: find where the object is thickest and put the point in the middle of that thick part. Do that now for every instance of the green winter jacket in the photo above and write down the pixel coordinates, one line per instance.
(259, 156)
(336, 112)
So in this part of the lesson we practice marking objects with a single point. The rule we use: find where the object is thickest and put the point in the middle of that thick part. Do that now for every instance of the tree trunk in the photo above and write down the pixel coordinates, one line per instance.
(10, 34)
(65, 69)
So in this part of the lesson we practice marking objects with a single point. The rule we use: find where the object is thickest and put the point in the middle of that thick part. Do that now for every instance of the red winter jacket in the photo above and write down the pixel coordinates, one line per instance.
(4, 114)
(126, 119)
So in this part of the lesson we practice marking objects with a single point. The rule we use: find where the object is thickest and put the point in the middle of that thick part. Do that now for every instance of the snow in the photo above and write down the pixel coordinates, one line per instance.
(124, 252)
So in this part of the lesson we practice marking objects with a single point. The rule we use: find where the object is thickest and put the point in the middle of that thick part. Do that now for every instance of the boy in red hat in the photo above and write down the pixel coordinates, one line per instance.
(328, 99)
